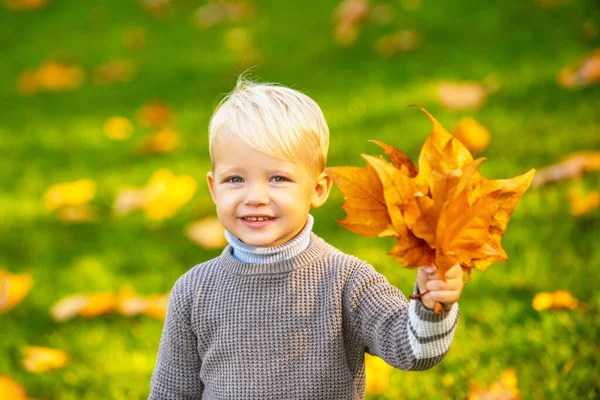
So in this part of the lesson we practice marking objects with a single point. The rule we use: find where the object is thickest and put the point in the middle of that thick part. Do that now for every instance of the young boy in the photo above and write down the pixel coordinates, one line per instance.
(281, 314)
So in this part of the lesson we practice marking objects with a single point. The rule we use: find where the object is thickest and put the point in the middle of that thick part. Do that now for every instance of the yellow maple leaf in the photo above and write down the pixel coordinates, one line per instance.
(584, 73)
(366, 212)
(558, 300)
(87, 305)
(68, 307)
(156, 306)
(11, 390)
(472, 134)
(13, 289)
(128, 303)
(573, 166)
(459, 95)
(21, 5)
(505, 388)
(582, 202)
(118, 128)
(208, 233)
(167, 194)
(41, 359)
(163, 195)
(51, 76)
(74, 193)
(97, 304)
(164, 141)
(154, 115)
(378, 375)
(445, 212)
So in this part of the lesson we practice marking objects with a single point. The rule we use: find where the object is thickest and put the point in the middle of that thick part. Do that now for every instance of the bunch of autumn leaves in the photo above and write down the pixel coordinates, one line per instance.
(443, 212)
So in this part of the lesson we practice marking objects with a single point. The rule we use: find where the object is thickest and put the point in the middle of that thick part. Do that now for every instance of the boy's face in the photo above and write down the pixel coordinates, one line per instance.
(262, 200)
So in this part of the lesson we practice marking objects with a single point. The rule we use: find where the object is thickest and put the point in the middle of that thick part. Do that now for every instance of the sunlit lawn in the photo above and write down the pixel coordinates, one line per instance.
(57, 137)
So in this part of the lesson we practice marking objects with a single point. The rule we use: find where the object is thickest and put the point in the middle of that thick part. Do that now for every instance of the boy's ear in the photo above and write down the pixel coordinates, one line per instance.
(322, 189)
(210, 180)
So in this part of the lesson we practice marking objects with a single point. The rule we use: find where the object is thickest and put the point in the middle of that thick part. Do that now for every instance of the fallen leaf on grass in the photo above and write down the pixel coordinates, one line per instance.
(126, 302)
(504, 388)
(11, 390)
(401, 42)
(459, 95)
(21, 5)
(448, 213)
(348, 18)
(582, 202)
(208, 233)
(154, 115)
(118, 128)
(574, 166)
(38, 359)
(585, 73)
(156, 306)
(164, 141)
(88, 305)
(68, 307)
(161, 198)
(74, 193)
(13, 289)
(472, 134)
(558, 300)
(378, 375)
(50, 76)
(129, 304)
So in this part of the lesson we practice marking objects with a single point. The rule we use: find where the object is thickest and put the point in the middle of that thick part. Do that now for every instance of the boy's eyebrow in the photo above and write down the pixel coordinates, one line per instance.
(227, 170)
(280, 171)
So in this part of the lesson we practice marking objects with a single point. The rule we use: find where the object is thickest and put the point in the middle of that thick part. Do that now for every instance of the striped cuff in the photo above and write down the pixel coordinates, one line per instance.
(430, 334)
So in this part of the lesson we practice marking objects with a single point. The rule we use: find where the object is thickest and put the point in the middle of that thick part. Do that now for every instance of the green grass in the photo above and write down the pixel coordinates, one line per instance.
(50, 138)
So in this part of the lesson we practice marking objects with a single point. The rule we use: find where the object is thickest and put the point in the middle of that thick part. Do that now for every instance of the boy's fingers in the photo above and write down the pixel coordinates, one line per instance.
(450, 284)
(454, 272)
(430, 269)
(432, 272)
(444, 296)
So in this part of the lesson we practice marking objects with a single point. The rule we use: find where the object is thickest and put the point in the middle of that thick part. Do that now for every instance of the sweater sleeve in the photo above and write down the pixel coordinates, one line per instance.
(406, 335)
(176, 374)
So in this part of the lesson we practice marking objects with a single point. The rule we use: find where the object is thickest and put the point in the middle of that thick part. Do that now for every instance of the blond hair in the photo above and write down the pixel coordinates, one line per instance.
(275, 120)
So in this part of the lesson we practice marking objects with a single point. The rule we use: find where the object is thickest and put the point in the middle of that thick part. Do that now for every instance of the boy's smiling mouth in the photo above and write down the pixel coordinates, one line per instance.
(257, 221)
(257, 218)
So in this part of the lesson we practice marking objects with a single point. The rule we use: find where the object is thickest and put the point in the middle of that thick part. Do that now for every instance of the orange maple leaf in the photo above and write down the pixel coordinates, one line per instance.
(445, 212)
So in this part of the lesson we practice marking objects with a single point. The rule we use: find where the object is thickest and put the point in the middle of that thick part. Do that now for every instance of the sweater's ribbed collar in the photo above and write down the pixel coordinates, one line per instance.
(263, 255)
(314, 250)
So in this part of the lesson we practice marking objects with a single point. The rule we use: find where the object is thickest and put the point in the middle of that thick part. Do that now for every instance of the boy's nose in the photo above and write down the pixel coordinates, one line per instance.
(257, 195)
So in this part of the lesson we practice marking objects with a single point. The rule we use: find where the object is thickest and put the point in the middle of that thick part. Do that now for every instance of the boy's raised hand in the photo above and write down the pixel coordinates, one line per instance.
(433, 289)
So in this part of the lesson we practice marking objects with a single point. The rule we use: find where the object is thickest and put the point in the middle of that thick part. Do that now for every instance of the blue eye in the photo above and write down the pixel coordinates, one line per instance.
(279, 178)
(235, 179)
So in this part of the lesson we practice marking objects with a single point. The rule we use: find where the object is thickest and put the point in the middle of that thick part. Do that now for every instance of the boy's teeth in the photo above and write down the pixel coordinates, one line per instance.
(257, 218)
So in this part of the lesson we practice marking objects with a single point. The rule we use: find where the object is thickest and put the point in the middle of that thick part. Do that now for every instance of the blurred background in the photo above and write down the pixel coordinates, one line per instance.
(104, 108)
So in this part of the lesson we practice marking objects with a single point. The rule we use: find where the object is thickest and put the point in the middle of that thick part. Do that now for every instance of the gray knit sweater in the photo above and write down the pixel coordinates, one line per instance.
(295, 329)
